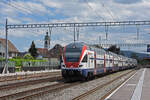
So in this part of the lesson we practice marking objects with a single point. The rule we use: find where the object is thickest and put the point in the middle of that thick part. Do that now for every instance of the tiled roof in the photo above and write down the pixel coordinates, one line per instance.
(11, 47)
(42, 51)
(55, 52)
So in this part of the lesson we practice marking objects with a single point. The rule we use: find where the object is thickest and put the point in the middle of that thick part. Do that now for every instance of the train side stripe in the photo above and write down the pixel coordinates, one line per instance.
(82, 52)
(95, 63)
(64, 55)
(104, 64)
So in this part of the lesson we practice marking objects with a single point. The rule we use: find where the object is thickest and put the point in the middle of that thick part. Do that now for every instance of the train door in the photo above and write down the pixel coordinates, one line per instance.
(91, 60)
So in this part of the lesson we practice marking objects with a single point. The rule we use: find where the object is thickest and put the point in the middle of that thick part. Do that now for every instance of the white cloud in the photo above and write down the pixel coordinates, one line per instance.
(73, 11)
(2, 34)
(13, 21)
(25, 49)
(31, 7)
(25, 7)
(52, 3)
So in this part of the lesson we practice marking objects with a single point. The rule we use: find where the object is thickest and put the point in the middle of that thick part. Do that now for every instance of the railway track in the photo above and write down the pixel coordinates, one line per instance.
(29, 94)
(84, 95)
(31, 82)
(109, 92)
(41, 91)
(27, 76)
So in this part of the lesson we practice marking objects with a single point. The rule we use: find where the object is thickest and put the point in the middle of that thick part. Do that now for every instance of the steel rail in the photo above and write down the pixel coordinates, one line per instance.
(80, 97)
(31, 82)
(26, 76)
(26, 95)
(59, 88)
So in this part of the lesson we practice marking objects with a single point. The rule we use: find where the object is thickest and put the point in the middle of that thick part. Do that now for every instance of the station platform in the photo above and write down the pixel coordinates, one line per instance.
(137, 87)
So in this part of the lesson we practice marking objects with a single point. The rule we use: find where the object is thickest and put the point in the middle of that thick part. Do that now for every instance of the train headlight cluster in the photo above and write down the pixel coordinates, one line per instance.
(63, 65)
(80, 65)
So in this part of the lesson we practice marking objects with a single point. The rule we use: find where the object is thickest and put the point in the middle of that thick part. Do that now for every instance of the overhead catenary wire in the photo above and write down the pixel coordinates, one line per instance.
(102, 4)
(108, 11)
(97, 14)
(9, 4)
(20, 6)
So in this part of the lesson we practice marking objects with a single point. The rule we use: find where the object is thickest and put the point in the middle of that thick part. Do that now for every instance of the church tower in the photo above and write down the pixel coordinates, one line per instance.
(47, 41)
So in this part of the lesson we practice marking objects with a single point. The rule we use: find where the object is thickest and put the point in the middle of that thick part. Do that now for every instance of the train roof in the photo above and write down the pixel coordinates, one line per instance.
(76, 45)
(95, 48)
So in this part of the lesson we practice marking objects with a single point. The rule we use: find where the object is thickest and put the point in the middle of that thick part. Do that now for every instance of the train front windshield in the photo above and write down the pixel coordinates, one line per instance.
(72, 54)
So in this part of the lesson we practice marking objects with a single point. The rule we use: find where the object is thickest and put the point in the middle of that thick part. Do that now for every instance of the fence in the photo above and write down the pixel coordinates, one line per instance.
(36, 66)
(11, 66)
(30, 66)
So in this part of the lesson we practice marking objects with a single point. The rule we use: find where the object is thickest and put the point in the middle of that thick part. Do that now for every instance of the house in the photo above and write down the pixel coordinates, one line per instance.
(42, 52)
(56, 51)
(54, 54)
(12, 50)
(2, 50)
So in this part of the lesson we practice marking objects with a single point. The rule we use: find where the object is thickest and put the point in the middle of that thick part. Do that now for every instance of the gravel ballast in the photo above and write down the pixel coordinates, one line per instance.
(70, 93)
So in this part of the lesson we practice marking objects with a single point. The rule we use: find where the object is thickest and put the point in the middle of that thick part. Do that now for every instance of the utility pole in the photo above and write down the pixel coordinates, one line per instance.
(5, 70)
(106, 30)
(50, 32)
(77, 30)
(74, 33)
(137, 27)
(100, 40)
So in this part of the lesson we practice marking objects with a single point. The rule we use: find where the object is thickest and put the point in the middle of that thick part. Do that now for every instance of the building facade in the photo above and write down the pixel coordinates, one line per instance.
(2, 50)
(12, 50)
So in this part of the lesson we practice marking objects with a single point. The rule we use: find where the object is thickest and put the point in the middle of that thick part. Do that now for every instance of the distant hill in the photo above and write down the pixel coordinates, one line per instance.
(139, 55)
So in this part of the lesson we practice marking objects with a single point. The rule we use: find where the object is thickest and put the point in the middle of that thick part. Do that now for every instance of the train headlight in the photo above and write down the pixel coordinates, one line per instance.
(80, 65)
(63, 65)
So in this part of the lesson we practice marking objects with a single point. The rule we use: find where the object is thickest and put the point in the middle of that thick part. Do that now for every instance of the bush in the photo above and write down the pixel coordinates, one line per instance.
(17, 57)
(18, 62)
(2, 59)
(28, 56)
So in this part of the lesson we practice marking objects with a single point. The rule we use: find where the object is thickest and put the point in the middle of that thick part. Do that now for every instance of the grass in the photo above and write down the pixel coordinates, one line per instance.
(18, 62)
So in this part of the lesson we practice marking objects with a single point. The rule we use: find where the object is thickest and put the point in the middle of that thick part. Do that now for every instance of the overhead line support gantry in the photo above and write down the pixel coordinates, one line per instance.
(51, 25)
(84, 24)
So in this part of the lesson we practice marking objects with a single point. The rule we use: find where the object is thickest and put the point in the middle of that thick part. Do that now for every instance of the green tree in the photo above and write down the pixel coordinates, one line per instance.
(114, 49)
(121, 53)
(33, 50)
(133, 55)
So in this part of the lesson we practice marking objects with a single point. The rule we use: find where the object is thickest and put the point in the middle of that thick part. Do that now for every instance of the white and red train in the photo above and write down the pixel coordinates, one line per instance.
(80, 60)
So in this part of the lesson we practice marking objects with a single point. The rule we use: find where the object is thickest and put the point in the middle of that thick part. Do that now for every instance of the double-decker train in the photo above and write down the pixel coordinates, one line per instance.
(80, 60)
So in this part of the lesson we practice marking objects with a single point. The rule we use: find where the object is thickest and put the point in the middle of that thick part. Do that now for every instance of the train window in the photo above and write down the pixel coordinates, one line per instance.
(110, 60)
(92, 60)
(85, 58)
(73, 49)
(72, 56)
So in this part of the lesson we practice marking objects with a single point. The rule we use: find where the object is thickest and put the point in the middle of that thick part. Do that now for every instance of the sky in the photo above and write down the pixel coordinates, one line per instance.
(57, 11)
